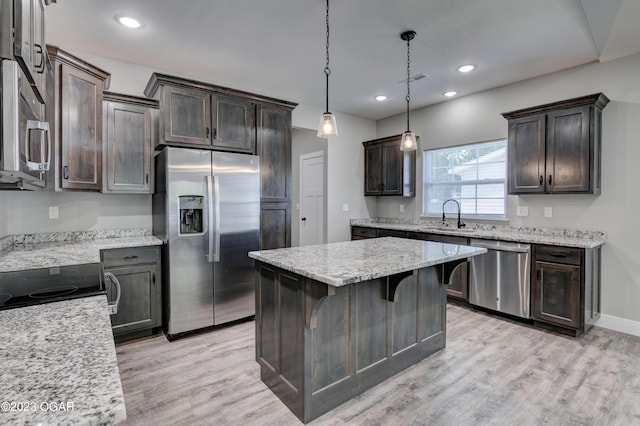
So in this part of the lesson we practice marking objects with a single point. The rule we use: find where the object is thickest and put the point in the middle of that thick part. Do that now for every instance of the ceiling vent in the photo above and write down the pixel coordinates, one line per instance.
(414, 78)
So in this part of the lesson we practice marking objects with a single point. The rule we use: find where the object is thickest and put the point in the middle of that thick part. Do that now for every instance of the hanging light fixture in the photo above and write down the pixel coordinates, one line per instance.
(408, 142)
(327, 127)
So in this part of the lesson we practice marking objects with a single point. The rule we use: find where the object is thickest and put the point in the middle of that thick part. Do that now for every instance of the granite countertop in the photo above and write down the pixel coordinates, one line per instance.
(58, 365)
(549, 236)
(62, 249)
(349, 262)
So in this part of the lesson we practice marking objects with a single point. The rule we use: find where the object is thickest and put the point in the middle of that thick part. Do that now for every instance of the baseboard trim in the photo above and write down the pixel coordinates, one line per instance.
(619, 324)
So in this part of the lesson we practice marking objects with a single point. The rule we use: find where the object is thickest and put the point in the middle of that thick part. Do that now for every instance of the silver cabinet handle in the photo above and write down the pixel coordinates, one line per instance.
(113, 307)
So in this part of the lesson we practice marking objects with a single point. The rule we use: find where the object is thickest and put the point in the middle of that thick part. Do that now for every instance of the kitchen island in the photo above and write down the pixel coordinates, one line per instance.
(333, 320)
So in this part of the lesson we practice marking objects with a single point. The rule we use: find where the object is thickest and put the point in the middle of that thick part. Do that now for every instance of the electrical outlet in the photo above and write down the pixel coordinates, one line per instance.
(522, 211)
(53, 212)
(345, 207)
(548, 212)
(401, 208)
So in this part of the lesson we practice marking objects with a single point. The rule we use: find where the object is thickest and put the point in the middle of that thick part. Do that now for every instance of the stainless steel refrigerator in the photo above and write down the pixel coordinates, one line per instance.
(206, 208)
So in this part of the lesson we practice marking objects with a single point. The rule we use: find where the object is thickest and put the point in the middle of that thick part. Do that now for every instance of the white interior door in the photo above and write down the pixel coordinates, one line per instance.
(312, 198)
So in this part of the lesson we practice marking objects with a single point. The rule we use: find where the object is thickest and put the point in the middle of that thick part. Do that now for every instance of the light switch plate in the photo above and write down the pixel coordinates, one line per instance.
(345, 207)
(401, 208)
(548, 212)
(522, 211)
(53, 212)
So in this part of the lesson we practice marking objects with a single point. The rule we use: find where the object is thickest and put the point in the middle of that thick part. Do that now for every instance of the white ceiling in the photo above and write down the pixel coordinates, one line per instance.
(276, 47)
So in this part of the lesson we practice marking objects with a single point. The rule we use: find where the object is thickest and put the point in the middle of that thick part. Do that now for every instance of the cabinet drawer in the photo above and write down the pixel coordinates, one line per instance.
(130, 256)
(556, 254)
(391, 233)
(357, 231)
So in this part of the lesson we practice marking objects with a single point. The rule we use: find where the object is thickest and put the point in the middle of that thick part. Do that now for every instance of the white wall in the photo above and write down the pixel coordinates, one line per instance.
(304, 141)
(26, 212)
(477, 118)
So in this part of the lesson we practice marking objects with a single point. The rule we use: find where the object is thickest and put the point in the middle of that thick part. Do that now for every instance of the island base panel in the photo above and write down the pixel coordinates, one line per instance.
(319, 346)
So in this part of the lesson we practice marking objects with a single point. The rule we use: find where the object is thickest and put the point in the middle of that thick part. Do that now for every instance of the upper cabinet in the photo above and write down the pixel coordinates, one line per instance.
(185, 117)
(198, 115)
(22, 39)
(387, 169)
(129, 135)
(235, 124)
(74, 111)
(555, 148)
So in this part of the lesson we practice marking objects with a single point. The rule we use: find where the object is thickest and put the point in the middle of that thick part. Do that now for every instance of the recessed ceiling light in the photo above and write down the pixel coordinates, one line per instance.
(129, 21)
(380, 98)
(466, 68)
(450, 93)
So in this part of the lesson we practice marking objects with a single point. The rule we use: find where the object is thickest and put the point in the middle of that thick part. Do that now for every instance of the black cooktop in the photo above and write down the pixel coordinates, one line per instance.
(36, 286)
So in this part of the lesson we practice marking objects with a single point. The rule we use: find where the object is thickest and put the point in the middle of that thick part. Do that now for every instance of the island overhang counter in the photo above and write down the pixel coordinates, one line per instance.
(333, 320)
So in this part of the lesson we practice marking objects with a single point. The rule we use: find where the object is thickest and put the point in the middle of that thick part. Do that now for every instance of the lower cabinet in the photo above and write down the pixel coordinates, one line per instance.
(565, 288)
(140, 308)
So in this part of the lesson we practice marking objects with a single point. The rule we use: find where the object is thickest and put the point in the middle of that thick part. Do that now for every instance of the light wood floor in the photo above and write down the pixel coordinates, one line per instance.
(493, 371)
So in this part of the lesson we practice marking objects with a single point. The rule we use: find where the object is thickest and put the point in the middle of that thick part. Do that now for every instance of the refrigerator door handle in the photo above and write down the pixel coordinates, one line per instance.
(213, 218)
(216, 205)
(210, 223)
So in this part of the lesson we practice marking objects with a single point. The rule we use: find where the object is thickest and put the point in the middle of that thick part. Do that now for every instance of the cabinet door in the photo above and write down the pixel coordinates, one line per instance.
(568, 150)
(139, 306)
(128, 135)
(29, 42)
(391, 169)
(275, 225)
(274, 148)
(81, 129)
(186, 116)
(556, 294)
(234, 124)
(372, 169)
(527, 154)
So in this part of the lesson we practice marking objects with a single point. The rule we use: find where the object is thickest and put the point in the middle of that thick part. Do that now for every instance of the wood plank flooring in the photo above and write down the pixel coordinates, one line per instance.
(492, 372)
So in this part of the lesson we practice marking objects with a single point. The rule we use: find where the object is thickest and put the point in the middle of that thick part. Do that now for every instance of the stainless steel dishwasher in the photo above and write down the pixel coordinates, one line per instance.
(500, 279)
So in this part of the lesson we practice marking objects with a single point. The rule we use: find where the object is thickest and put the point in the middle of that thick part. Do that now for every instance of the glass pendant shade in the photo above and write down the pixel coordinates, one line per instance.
(327, 127)
(408, 141)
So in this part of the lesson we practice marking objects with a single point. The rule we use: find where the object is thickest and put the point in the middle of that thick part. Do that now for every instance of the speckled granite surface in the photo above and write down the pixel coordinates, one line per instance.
(61, 249)
(551, 236)
(59, 353)
(349, 262)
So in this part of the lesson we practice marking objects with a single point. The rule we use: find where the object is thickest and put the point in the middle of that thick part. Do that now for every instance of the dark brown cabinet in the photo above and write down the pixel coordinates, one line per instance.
(25, 40)
(387, 170)
(140, 308)
(566, 287)
(129, 134)
(555, 148)
(274, 148)
(75, 114)
(185, 117)
(234, 128)
(198, 115)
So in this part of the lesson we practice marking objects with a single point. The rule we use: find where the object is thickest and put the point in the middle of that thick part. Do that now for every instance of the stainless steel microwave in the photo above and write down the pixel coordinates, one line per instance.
(25, 148)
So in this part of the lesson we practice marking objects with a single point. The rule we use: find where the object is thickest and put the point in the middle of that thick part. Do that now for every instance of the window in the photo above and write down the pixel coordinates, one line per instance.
(474, 175)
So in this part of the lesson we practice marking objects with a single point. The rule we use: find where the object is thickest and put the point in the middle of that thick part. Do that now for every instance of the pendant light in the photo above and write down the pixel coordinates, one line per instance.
(327, 127)
(408, 141)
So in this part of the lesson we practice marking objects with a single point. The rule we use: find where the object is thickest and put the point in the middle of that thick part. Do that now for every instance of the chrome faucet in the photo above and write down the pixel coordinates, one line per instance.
(460, 224)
